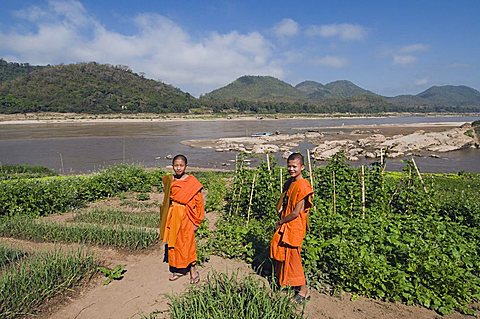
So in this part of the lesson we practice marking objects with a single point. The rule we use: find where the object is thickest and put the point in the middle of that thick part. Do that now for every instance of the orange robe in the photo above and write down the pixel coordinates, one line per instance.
(286, 243)
(186, 210)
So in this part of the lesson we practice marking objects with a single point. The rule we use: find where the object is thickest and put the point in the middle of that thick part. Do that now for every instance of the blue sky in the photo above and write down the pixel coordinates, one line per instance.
(386, 46)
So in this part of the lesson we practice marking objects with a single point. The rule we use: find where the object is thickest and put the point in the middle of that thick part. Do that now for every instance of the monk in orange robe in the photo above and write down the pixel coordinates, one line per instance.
(181, 215)
(285, 247)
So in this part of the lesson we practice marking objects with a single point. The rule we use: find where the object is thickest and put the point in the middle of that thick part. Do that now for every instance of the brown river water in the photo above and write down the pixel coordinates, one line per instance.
(86, 147)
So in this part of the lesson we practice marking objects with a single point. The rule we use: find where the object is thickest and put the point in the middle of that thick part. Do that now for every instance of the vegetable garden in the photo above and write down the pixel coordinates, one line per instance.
(406, 236)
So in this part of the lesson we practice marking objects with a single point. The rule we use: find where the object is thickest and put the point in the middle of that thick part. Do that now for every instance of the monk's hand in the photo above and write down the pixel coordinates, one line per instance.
(195, 228)
(278, 224)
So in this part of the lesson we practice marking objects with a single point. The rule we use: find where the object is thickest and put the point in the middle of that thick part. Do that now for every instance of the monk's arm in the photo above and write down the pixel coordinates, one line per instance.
(294, 214)
(200, 208)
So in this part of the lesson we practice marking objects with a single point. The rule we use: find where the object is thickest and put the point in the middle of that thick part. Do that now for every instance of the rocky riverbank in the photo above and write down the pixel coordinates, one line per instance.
(358, 142)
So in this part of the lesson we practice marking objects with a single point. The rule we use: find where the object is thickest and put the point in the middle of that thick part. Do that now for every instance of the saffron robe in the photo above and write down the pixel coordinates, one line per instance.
(286, 243)
(185, 211)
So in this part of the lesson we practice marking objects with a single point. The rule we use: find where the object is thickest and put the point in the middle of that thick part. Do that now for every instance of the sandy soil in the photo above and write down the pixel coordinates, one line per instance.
(52, 117)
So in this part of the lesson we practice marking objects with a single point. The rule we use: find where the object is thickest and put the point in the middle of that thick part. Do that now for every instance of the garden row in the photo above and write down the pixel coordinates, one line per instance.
(406, 237)
(28, 280)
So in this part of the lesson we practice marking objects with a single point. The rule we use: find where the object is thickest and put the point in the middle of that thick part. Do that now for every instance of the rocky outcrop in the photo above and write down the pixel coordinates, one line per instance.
(378, 145)
(374, 145)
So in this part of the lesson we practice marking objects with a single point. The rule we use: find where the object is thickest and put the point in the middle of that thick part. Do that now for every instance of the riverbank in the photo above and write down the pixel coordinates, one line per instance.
(51, 117)
(367, 141)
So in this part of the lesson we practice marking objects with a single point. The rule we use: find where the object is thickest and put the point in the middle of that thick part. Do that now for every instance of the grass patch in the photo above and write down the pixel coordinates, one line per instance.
(9, 255)
(113, 236)
(138, 205)
(111, 216)
(226, 296)
(38, 279)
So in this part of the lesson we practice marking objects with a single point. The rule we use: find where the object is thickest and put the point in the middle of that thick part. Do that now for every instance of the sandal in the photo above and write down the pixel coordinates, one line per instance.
(299, 299)
(175, 276)
(195, 279)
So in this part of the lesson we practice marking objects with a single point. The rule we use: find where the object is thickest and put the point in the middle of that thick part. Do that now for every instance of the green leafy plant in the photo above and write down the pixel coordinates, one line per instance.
(115, 273)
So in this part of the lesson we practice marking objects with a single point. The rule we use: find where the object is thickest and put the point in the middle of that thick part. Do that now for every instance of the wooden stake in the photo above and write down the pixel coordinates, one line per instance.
(310, 168)
(281, 180)
(334, 195)
(123, 157)
(420, 176)
(251, 197)
(61, 163)
(363, 191)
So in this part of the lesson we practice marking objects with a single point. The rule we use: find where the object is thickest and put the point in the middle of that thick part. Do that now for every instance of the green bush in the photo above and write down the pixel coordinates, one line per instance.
(16, 171)
(416, 240)
(43, 196)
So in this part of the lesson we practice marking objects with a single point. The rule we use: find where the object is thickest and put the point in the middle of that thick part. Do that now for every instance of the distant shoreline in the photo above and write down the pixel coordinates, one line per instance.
(59, 118)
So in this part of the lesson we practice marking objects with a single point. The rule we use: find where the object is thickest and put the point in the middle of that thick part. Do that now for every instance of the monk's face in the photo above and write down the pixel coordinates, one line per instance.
(179, 167)
(295, 168)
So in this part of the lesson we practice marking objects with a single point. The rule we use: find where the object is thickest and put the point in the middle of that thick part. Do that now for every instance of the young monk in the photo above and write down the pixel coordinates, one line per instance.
(181, 214)
(286, 244)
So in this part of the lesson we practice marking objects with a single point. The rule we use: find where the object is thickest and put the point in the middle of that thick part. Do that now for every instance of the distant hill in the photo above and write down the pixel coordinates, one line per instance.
(256, 88)
(90, 87)
(337, 89)
(100, 88)
(447, 97)
(449, 94)
(344, 96)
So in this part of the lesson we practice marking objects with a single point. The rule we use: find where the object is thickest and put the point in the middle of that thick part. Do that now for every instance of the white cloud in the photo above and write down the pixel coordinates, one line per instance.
(418, 47)
(459, 66)
(344, 31)
(286, 28)
(421, 82)
(404, 59)
(163, 50)
(331, 61)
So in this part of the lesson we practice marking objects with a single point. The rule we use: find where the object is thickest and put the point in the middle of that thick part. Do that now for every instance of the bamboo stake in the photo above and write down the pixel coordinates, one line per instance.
(310, 172)
(251, 197)
(123, 154)
(363, 192)
(310, 168)
(281, 180)
(334, 196)
(61, 163)
(268, 163)
(420, 176)
(240, 190)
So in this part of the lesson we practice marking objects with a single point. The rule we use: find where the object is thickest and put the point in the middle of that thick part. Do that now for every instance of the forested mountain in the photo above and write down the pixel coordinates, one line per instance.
(460, 95)
(344, 96)
(100, 88)
(10, 71)
(90, 87)
(447, 97)
(333, 90)
(256, 88)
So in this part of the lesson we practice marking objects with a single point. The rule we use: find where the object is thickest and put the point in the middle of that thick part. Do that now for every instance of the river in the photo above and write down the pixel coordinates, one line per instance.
(90, 146)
